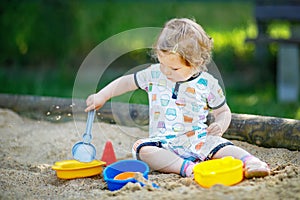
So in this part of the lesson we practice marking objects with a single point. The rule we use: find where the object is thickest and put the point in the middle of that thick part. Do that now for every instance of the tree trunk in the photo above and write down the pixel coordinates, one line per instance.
(260, 130)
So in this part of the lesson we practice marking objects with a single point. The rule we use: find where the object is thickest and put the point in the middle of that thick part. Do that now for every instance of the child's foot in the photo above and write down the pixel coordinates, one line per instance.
(253, 167)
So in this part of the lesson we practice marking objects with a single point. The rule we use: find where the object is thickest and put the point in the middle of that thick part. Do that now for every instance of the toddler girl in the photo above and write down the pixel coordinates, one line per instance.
(181, 93)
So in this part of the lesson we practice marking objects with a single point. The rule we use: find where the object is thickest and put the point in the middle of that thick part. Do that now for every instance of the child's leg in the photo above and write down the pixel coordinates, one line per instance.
(231, 150)
(253, 167)
(165, 161)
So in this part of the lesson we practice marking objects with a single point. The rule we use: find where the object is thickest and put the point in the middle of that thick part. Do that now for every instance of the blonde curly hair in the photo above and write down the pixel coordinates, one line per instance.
(188, 39)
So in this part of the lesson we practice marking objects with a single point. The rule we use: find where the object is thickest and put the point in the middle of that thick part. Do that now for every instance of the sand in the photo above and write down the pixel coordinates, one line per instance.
(29, 148)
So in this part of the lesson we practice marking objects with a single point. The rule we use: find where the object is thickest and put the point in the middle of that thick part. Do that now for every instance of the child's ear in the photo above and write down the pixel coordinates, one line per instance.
(202, 61)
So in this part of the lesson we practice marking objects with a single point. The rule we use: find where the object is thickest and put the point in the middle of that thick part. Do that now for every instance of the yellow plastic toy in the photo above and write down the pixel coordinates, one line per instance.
(70, 169)
(226, 171)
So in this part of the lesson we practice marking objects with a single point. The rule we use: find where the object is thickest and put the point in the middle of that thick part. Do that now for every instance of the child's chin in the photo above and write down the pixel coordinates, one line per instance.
(171, 79)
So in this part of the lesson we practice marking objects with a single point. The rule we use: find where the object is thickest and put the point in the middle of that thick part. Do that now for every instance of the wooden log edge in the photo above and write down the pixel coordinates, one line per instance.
(271, 132)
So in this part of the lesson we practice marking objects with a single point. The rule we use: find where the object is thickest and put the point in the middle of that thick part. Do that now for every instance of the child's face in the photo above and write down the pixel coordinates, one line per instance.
(174, 67)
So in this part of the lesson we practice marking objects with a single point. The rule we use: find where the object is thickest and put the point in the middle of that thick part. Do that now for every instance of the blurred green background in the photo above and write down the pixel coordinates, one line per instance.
(43, 44)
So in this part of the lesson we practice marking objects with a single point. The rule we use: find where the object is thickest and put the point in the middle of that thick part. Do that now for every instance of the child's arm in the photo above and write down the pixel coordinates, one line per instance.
(222, 117)
(115, 88)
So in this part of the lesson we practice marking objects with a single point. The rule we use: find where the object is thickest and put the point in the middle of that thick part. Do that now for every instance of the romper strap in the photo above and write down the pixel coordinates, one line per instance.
(216, 149)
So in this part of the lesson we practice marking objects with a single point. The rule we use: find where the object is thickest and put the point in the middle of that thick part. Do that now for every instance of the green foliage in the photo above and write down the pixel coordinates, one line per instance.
(261, 101)
(35, 32)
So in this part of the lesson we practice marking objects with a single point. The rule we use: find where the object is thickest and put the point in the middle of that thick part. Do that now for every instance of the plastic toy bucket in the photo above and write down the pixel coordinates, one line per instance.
(69, 169)
(226, 171)
(111, 171)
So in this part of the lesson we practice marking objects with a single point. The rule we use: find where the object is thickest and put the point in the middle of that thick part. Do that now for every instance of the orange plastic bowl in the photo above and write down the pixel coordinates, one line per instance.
(125, 175)
(226, 171)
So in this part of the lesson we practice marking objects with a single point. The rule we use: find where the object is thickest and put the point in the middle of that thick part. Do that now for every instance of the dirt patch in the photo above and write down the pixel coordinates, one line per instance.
(29, 148)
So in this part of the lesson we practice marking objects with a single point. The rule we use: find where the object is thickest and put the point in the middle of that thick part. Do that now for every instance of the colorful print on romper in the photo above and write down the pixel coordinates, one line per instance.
(162, 85)
(175, 147)
(161, 126)
(171, 114)
(190, 92)
(150, 87)
(169, 137)
(196, 128)
(211, 98)
(202, 118)
(178, 127)
(198, 146)
(165, 99)
(156, 109)
(180, 103)
(156, 115)
(187, 118)
(190, 133)
(201, 135)
(155, 74)
(202, 84)
(154, 97)
(195, 107)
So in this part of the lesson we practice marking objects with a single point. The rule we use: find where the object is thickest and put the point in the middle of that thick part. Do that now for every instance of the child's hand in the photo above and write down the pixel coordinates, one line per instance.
(214, 129)
(94, 101)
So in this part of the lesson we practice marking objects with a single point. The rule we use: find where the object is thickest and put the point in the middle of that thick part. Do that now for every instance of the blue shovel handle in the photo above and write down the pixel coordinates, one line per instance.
(87, 136)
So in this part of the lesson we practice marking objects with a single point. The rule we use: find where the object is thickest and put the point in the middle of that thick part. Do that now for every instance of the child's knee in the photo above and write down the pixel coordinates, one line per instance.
(138, 145)
(135, 147)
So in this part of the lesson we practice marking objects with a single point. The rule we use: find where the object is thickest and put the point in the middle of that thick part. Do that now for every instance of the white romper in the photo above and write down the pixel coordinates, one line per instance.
(178, 112)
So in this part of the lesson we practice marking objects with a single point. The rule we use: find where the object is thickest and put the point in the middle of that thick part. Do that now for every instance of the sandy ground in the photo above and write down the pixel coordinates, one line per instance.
(29, 148)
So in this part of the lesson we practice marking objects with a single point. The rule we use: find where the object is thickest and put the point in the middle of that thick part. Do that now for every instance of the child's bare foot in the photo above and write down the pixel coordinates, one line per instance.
(253, 167)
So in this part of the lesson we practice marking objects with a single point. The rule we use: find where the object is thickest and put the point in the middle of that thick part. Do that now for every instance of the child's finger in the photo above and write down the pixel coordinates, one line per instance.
(214, 129)
(89, 100)
(89, 108)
